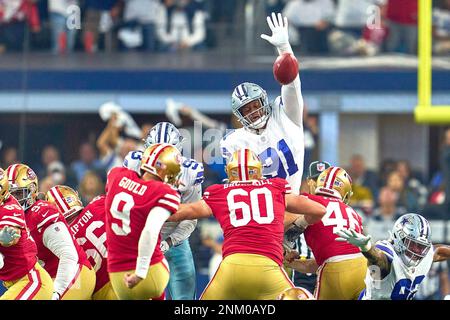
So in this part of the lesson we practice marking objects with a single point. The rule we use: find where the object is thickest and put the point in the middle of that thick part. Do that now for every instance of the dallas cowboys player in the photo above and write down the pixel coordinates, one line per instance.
(175, 244)
(398, 265)
(274, 131)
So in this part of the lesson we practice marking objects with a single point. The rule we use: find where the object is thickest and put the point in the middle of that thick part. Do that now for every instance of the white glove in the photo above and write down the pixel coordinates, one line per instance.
(356, 239)
(164, 246)
(107, 109)
(280, 35)
(173, 112)
(8, 235)
(56, 296)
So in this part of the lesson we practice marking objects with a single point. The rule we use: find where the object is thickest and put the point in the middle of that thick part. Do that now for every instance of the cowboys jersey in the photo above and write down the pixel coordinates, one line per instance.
(402, 282)
(280, 146)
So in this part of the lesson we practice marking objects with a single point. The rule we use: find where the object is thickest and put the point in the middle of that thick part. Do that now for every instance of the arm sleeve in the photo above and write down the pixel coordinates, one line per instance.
(58, 240)
(182, 231)
(149, 239)
(292, 101)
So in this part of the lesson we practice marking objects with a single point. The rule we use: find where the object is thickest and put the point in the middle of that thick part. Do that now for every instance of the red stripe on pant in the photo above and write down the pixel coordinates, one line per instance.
(30, 283)
(80, 266)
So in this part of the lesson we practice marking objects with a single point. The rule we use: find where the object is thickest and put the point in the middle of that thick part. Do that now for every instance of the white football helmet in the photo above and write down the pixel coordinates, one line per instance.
(411, 236)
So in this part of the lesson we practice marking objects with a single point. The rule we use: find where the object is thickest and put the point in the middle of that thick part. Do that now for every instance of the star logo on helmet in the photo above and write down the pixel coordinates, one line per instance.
(405, 220)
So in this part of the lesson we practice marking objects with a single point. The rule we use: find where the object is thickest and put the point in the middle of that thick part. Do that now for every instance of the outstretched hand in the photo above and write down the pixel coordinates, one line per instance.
(357, 239)
(279, 27)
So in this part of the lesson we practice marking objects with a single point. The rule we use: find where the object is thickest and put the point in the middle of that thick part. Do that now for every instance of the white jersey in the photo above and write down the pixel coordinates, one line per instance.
(280, 146)
(402, 282)
(190, 189)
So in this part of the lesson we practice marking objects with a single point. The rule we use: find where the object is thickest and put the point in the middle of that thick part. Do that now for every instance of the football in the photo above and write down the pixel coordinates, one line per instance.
(285, 68)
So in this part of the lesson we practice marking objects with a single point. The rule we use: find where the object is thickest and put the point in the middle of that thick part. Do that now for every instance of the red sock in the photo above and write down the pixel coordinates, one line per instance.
(161, 298)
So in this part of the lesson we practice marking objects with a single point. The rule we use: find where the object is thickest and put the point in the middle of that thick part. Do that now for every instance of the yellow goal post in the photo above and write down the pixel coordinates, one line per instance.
(425, 112)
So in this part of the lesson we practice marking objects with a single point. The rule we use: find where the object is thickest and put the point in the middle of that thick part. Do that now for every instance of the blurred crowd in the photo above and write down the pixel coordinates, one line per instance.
(317, 27)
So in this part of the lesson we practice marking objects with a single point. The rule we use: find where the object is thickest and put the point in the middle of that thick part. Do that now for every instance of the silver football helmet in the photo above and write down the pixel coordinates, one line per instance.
(245, 93)
(164, 132)
(411, 236)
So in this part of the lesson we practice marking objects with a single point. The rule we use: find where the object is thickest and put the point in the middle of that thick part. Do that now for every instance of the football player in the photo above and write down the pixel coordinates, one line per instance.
(58, 252)
(87, 225)
(175, 244)
(137, 205)
(273, 130)
(340, 268)
(399, 264)
(20, 271)
(250, 210)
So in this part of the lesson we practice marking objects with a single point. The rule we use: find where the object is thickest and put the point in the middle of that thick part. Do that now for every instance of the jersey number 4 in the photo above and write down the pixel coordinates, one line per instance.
(347, 219)
(252, 211)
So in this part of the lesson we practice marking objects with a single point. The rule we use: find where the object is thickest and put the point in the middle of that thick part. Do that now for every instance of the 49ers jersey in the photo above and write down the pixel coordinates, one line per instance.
(320, 236)
(190, 182)
(128, 203)
(280, 146)
(20, 258)
(39, 216)
(251, 215)
(89, 230)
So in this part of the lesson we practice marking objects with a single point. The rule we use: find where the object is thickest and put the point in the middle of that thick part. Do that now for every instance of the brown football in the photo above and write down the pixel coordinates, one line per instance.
(285, 68)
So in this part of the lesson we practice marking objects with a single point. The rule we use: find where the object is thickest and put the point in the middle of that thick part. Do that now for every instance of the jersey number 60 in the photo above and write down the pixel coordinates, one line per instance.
(252, 211)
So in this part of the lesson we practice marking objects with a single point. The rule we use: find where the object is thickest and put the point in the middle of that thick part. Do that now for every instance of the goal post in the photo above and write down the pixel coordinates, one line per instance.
(425, 112)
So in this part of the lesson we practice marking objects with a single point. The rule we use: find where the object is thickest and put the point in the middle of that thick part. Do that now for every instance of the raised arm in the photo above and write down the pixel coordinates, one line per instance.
(190, 211)
(109, 137)
(291, 94)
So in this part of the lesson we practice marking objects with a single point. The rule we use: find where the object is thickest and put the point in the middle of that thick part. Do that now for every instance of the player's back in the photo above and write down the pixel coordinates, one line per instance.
(129, 201)
(402, 282)
(20, 258)
(89, 230)
(251, 215)
(320, 236)
(39, 217)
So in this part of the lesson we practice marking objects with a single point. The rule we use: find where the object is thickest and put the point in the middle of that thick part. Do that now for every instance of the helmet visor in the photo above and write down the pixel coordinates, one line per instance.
(416, 250)
(256, 118)
(21, 195)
